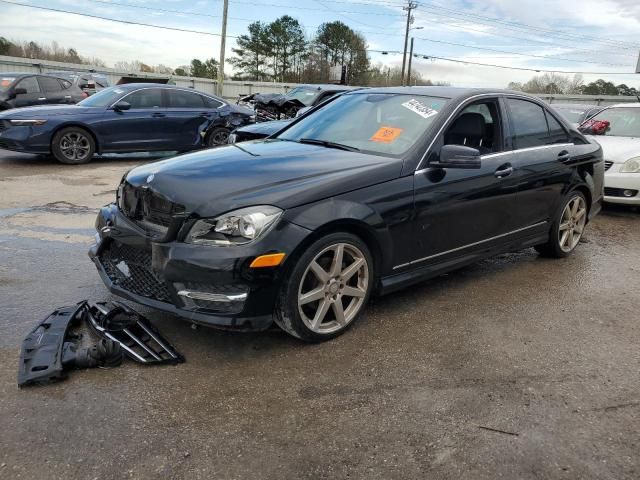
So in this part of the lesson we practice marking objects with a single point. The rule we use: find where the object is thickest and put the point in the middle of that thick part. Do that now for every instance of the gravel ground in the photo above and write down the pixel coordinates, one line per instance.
(517, 367)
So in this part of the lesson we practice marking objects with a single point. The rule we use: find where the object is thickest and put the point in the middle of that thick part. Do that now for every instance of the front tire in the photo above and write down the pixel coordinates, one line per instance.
(73, 146)
(567, 228)
(326, 289)
(217, 137)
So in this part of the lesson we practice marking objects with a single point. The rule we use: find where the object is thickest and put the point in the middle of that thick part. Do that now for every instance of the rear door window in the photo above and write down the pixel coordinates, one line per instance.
(557, 133)
(212, 102)
(30, 84)
(147, 98)
(49, 84)
(528, 124)
(182, 99)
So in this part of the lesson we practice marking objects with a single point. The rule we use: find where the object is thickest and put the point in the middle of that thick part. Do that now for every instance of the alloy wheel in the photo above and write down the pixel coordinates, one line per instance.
(221, 137)
(333, 288)
(75, 146)
(572, 222)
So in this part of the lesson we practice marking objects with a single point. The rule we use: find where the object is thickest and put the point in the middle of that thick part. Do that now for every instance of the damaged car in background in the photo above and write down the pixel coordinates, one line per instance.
(617, 130)
(373, 192)
(276, 106)
(140, 117)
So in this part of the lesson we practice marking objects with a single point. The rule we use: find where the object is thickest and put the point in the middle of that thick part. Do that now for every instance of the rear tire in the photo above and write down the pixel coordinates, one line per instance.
(73, 146)
(327, 288)
(567, 228)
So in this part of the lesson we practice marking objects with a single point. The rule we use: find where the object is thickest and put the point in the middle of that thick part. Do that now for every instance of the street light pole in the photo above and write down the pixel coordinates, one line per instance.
(410, 6)
(223, 41)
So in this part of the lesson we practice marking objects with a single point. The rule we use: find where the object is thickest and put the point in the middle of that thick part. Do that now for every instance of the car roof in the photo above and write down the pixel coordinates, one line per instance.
(444, 91)
(574, 105)
(624, 105)
(328, 86)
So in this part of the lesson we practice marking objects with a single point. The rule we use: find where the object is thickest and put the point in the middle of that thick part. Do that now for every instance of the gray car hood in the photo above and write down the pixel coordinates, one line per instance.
(618, 149)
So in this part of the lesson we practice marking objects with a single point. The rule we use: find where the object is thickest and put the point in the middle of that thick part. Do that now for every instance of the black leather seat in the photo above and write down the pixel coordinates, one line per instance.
(468, 129)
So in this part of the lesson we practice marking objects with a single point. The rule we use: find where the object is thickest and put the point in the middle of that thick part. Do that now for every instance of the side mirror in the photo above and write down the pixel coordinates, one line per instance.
(19, 91)
(457, 156)
(122, 106)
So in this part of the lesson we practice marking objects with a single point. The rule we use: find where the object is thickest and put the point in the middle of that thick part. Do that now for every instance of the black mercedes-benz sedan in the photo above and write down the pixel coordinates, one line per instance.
(375, 191)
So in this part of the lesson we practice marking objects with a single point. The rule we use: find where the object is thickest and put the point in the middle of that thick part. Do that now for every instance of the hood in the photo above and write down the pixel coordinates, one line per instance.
(273, 172)
(265, 128)
(617, 149)
(48, 111)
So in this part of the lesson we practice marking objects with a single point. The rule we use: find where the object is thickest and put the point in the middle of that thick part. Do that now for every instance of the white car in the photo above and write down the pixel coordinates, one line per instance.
(617, 129)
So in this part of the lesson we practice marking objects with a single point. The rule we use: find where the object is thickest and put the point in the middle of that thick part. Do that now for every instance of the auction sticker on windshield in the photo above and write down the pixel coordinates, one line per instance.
(386, 135)
(423, 110)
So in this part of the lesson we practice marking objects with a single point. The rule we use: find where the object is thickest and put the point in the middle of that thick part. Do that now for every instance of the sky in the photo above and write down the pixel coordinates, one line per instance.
(600, 36)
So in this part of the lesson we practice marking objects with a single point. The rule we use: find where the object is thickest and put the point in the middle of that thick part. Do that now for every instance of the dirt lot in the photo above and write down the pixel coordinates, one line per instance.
(518, 367)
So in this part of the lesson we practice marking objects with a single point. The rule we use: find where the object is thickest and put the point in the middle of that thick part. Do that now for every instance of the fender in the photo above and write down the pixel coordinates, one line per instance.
(331, 213)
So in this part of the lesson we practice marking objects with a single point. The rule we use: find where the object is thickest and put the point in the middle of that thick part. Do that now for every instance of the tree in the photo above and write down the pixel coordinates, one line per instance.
(183, 71)
(341, 46)
(287, 43)
(5, 46)
(252, 51)
(600, 87)
(206, 69)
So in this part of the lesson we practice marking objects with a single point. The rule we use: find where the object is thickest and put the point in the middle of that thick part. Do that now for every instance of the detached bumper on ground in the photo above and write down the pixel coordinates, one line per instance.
(206, 285)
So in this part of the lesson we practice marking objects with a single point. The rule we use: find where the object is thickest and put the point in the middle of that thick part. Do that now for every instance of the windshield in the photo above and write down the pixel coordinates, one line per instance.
(303, 94)
(103, 98)
(378, 123)
(572, 113)
(5, 83)
(623, 122)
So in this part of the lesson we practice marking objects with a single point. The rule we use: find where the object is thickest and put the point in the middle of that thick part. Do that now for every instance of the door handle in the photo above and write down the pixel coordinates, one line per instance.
(205, 114)
(504, 170)
(158, 115)
(563, 156)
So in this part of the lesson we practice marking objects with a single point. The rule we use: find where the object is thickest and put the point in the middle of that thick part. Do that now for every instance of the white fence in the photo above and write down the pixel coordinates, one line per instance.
(231, 89)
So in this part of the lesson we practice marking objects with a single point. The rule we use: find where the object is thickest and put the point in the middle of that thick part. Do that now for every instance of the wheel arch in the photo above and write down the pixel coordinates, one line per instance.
(77, 125)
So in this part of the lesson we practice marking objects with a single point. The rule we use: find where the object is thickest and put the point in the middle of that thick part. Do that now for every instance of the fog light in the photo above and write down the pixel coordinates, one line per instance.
(629, 193)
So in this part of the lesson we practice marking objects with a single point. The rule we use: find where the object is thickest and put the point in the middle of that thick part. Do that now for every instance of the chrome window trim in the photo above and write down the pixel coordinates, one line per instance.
(466, 102)
(161, 87)
(509, 152)
(419, 260)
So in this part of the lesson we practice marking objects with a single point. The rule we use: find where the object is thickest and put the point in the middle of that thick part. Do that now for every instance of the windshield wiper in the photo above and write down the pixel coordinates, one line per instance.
(325, 143)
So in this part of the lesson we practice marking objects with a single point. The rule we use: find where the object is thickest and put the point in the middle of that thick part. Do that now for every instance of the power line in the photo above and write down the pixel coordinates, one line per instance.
(478, 17)
(128, 22)
(537, 70)
(340, 13)
(374, 51)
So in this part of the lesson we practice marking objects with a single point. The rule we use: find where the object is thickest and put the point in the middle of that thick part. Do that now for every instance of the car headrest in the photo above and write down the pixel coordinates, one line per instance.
(469, 125)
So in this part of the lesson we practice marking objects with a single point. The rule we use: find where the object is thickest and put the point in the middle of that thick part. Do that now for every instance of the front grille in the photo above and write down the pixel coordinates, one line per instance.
(147, 209)
(607, 165)
(130, 269)
(619, 192)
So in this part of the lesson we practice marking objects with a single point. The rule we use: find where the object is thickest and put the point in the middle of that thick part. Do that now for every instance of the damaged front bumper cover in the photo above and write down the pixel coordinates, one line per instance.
(204, 285)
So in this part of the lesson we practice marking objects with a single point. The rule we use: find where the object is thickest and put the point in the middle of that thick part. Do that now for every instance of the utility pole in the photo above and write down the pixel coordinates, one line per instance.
(410, 6)
(223, 41)
(409, 68)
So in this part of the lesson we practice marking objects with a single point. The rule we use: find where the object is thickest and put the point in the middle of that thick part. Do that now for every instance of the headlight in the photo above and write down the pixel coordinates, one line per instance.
(631, 166)
(234, 228)
(27, 123)
(232, 138)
